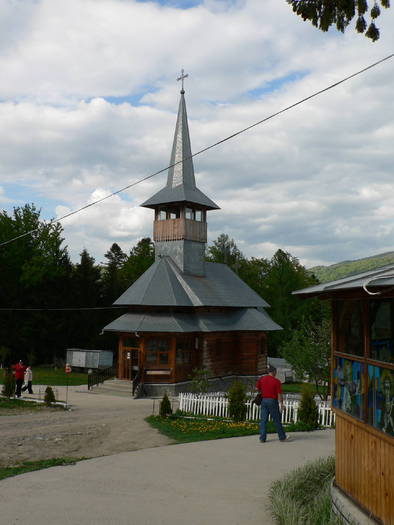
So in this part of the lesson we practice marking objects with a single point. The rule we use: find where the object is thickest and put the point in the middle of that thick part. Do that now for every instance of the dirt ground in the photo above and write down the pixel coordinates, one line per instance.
(98, 424)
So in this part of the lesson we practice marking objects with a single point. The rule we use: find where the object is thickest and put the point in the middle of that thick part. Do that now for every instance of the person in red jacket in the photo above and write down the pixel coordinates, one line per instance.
(270, 389)
(19, 370)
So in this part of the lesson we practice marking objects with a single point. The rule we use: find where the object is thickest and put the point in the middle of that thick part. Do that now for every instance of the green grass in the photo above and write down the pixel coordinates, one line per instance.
(296, 388)
(16, 404)
(30, 466)
(303, 496)
(185, 430)
(54, 377)
(7, 406)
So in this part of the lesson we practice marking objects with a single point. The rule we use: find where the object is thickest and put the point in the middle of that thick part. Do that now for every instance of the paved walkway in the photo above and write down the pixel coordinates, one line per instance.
(219, 482)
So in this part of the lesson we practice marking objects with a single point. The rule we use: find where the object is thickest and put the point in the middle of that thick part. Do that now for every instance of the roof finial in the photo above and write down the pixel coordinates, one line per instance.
(182, 77)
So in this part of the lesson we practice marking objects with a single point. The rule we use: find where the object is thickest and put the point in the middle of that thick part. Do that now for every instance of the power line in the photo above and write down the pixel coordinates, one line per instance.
(229, 137)
(71, 309)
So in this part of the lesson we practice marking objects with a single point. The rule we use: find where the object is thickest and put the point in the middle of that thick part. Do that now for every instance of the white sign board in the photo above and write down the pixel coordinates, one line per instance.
(78, 359)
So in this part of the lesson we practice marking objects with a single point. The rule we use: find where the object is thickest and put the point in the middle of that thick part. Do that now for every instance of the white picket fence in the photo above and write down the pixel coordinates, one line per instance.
(217, 405)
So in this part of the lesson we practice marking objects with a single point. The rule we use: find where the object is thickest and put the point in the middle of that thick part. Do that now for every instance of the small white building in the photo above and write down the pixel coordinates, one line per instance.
(93, 359)
(284, 370)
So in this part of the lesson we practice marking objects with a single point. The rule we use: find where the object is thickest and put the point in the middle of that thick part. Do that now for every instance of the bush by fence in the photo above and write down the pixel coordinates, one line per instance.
(217, 406)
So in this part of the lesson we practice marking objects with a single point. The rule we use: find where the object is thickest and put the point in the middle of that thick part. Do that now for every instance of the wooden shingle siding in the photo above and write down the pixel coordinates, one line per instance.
(364, 466)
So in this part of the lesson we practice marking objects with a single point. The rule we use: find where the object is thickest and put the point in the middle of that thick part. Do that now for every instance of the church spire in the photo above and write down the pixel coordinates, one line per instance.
(183, 172)
(181, 183)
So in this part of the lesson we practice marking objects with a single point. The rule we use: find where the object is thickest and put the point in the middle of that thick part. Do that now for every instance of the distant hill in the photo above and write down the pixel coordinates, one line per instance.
(345, 268)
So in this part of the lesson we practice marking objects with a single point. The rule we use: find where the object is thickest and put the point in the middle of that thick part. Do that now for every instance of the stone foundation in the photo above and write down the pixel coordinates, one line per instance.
(216, 384)
(347, 510)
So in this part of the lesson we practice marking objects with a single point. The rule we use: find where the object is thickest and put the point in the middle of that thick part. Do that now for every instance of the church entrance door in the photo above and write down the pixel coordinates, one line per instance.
(130, 358)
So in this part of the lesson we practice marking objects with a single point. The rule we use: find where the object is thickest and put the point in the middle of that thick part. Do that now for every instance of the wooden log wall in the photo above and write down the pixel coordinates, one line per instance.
(365, 466)
(237, 353)
(248, 352)
(219, 354)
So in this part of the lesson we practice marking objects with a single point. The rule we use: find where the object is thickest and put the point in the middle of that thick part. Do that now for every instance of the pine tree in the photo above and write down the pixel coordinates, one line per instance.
(237, 401)
(308, 413)
(49, 396)
(165, 406)
(9, 384)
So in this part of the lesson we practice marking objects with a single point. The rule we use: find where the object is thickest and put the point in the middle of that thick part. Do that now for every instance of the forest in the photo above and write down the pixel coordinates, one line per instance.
(49, 304)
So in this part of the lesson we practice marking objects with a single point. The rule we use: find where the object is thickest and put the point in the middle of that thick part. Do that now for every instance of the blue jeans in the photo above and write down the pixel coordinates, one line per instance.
(270, 407)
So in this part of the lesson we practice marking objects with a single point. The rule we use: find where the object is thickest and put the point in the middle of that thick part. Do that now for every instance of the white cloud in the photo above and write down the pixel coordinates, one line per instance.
(316, 180)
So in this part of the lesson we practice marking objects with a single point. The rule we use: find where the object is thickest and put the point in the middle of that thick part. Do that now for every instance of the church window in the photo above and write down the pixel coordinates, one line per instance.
(157, 351)
(184, 347)
(162, 214)
(173, 213)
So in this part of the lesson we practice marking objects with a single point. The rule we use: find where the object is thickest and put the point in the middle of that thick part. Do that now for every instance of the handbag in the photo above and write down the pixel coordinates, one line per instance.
(257, 400)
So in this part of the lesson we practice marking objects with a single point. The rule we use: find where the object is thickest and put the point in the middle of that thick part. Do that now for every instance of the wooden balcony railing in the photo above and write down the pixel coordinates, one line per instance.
(179, 229)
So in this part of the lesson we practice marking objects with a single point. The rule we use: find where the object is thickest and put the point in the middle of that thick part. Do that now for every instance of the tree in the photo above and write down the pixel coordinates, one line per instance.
(285, 275)
(111, 277)
(8, 389)
(308, 413)
(141, 257)
(224, 250)
(87, 281)
(85, 326)
(325, 13)
(165, 409)
(35, 273)
(237, 401)
(308, 351)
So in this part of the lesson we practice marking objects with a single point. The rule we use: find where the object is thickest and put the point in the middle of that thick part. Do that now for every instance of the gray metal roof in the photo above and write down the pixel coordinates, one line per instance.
(243, 319)
(181, 184)
(378, 277)
(163, 284)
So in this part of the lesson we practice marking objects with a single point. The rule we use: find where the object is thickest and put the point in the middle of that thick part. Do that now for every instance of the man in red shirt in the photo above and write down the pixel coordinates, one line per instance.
(19, 377)
(270, 389)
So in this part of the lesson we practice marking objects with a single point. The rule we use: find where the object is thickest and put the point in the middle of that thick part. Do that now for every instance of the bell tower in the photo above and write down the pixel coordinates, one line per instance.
(180, 223)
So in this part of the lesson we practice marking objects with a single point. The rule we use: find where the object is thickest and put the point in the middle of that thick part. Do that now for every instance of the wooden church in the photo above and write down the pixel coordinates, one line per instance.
(185, 313)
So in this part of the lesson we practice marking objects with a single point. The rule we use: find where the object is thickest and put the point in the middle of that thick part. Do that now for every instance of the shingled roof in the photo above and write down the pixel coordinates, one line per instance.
(383, 276)
(243, 319)
(163, 284)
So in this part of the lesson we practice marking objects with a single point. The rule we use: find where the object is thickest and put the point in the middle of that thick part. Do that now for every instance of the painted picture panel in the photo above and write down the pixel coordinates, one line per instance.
(382, 330)
(348, 387)
(350, 328)
(381, 398)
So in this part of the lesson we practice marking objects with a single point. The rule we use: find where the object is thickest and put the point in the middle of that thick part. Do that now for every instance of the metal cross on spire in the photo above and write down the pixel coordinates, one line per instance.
(182, 77)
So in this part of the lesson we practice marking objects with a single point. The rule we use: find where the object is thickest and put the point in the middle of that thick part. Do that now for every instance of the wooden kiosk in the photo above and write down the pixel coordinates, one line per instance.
(363, 388)
(183, 312)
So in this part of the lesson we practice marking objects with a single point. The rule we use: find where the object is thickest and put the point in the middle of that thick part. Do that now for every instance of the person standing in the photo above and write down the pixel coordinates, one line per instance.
(270, 389)
(28, 380)
(19, 370)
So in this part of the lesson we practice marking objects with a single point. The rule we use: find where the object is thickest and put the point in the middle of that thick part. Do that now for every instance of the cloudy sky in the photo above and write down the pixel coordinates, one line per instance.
(88, 102)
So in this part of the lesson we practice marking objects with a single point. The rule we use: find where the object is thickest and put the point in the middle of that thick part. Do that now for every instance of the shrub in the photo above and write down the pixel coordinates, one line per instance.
(237, 401)
(308, 412)
(49, 396)
(165, 406)
(200, 381)
(302, 497)
(9, 384)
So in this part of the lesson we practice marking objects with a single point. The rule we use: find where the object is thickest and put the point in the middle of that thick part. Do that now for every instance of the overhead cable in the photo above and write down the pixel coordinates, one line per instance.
(233, 135)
